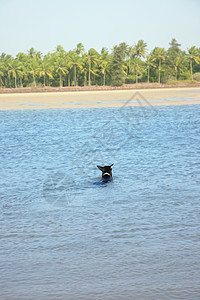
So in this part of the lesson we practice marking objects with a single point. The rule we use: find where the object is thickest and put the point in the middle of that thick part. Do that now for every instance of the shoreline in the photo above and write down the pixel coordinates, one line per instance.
(101, 98)
(97, 88)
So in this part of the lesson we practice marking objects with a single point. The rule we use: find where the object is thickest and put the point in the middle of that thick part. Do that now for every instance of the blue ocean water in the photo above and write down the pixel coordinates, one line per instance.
(64, 237)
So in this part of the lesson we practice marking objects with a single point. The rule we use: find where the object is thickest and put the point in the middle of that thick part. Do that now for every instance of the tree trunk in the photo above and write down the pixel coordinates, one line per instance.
(77, 79)
(44, 80)
(159, 71)
(69, 79)
(89, 79)
(148, 75)
(85, 78)
(15, 81)
(191, 69)
(136, 77)
(34, 80)
(104, 78)
(1, 82)
(7, 82)
(75, 75)
(60, 79)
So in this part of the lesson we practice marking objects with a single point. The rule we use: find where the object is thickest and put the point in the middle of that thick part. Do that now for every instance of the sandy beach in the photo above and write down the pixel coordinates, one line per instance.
(105, 98)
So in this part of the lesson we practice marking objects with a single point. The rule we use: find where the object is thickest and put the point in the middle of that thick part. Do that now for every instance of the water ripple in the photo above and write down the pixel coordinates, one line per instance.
(63, 237)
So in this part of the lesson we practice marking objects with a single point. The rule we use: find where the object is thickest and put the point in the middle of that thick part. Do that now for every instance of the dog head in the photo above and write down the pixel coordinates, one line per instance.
(106, 171)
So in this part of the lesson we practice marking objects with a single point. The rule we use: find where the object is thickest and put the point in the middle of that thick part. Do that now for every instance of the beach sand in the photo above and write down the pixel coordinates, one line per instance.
(108, 98)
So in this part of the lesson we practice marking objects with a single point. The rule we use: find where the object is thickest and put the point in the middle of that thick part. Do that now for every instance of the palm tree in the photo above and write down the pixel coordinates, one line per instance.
(6, 60)
(140, 49)
(80, 49)
(46, 68)
(159, 54)
(1, 73)
(60, 49)
(104, 63)
(60, 66)
(92, 61)
(138, 68)
(15, 69)
(33, 68)
(32, 53)
(104, 66)
(150, 63)
(69, 66)
(129, 53)
(76, 62)
(179, 60)
(85, 67)
(193, 56)
(3, 69)
(22, 58)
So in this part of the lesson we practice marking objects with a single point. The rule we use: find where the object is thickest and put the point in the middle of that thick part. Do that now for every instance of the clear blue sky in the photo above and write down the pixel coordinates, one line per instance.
(44, 24)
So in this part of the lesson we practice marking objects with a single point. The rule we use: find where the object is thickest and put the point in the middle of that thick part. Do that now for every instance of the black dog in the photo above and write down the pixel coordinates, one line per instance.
(106, 172)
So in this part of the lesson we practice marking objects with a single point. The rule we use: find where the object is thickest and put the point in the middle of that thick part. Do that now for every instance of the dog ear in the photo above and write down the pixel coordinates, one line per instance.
(111, 166)
(100, 168)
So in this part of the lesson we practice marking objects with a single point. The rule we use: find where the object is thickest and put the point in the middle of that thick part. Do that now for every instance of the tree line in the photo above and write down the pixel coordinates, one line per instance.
(123, 64)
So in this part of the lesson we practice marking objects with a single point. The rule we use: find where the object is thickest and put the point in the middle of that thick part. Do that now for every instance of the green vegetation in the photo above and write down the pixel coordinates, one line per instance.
(118, 65)
(123, 64)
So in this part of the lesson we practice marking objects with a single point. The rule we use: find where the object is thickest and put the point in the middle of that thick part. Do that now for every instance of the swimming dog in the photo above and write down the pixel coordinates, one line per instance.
(106, 172)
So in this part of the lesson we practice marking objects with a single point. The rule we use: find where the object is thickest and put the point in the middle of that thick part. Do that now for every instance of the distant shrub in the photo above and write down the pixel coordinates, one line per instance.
(173, 82)
(185, 75)
(196, 76)
(190, 81)
(180, 82)
(31, 85)
(130, 79)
